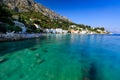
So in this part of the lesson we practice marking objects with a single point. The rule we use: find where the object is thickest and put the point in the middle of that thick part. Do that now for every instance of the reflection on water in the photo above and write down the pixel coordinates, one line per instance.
(62, 57)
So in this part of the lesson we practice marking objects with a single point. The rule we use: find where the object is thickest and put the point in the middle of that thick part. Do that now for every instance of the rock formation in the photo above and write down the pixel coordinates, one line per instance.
(31, 5)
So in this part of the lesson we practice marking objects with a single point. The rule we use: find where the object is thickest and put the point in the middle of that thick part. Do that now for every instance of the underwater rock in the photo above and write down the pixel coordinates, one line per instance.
(92, 72)
(33, 49)
(3, 60)
(86, 78)
(39, 61)
(45, 51)
(37, 55)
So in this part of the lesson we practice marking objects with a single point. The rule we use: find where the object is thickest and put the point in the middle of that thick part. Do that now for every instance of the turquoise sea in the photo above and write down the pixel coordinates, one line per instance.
(61, 57)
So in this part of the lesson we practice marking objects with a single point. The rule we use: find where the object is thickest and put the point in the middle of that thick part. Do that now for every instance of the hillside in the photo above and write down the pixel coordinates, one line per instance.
(30, 13)
(32, 6)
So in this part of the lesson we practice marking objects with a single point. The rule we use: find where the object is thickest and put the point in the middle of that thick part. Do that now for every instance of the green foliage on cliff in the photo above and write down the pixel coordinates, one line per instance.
(6, 23)
(30, 18)
(5, 14)
(9, 28)
(32, 28)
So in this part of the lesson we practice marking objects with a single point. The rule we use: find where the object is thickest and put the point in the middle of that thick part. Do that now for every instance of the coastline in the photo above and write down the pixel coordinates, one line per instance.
(17, 37)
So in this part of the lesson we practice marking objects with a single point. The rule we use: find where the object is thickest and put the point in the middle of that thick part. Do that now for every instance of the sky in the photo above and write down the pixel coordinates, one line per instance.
(96, 13)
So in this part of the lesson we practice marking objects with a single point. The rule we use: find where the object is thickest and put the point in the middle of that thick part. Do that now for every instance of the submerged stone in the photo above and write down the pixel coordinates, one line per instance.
(3, 60)
(92, 72)
(39, 61)
(33, 49)
(45, 51)
(37, 55)
(85, 78)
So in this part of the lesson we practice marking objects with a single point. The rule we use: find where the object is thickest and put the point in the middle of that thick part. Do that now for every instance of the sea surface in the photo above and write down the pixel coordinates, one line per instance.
(61, 57)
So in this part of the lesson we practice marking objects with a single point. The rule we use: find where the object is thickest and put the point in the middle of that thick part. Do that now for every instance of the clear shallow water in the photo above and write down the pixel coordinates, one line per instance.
(62, 57)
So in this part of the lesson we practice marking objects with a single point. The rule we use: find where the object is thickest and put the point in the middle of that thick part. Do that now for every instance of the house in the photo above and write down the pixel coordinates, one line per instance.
(46, 30)
(53, 31)
(64, 31)
(72, 26)
(74, 31)
(83, 32)
(58, 30)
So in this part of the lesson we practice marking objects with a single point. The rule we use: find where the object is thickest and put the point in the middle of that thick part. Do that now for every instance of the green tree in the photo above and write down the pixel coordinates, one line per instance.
(5, 14)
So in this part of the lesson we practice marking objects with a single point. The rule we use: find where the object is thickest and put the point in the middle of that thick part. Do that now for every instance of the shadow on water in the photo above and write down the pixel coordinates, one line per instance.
(9, 47)
(90, 73)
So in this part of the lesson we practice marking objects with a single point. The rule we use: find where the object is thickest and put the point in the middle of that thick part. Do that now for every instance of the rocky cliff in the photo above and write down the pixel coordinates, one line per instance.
(31, 5)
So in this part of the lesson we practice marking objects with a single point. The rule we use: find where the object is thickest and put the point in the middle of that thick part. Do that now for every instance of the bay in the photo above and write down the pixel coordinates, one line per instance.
(62, 57)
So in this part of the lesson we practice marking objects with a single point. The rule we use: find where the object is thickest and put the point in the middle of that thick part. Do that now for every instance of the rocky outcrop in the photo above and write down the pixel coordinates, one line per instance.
(15, 37)
(31, 5)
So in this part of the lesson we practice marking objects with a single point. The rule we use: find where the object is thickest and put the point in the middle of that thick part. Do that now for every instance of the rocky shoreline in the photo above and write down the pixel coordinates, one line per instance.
(16, 37)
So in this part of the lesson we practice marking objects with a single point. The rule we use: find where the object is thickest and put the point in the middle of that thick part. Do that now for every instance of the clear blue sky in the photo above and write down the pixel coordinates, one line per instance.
(97, 13)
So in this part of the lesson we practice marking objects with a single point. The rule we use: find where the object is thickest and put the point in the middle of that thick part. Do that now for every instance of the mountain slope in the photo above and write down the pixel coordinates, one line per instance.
(30, 6)
(30, 13)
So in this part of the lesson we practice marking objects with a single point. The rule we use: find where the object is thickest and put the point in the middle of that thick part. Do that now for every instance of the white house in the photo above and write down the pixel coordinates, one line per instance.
(47, 30)
(83, 32)
(72, 26)
(53, 31)
(64, 31)
(58, 30)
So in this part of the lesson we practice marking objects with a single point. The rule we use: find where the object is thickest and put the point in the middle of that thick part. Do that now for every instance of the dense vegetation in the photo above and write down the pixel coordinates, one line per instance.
(30, 18)
(5, 14)
(6, 21)
(90, 28)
